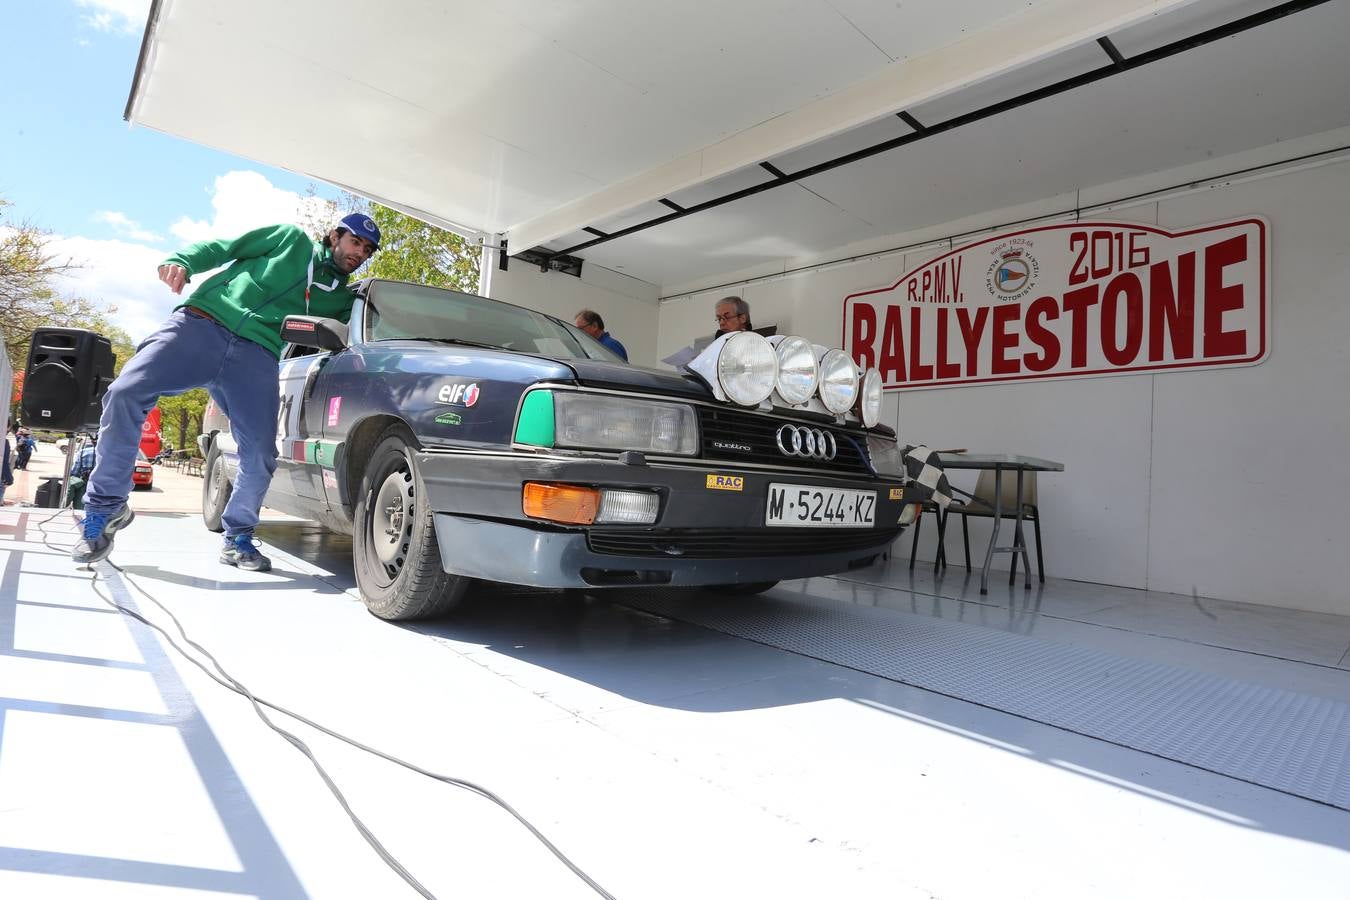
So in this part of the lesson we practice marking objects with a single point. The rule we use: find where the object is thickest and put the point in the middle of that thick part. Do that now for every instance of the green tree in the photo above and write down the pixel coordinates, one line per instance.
(181, 417)
(410, 249)
(29, 298)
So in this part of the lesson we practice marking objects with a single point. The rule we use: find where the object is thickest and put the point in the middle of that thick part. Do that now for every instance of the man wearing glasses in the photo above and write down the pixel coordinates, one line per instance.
(733, 314)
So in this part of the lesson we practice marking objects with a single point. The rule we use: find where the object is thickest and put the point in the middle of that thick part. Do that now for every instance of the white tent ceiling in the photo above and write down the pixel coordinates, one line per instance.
(541, 118)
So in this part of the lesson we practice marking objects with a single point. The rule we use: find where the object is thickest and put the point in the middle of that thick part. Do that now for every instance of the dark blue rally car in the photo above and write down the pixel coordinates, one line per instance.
(456, 437)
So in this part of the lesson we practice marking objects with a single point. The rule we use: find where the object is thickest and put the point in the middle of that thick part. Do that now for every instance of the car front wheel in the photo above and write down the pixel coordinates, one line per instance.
(397, 560)
(216, 490)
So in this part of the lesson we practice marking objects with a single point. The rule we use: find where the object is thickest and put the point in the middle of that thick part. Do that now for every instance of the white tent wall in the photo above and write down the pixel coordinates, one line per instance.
(628, 305)
(1221, 483)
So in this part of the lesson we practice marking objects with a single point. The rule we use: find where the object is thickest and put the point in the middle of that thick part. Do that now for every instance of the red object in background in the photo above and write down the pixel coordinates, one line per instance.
(143, 476)
(151, 436)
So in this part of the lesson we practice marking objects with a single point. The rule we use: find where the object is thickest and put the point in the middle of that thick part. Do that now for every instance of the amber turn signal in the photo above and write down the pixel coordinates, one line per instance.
(567, 503)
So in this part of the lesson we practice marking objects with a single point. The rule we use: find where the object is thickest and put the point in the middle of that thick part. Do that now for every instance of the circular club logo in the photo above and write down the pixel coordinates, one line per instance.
(1013, 272)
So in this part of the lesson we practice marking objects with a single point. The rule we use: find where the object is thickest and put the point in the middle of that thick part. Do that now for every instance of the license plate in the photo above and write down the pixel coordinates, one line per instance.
(809, 506)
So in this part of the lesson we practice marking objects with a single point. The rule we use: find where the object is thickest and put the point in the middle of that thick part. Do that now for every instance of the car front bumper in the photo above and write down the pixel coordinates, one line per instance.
(704, 535)
(518, 554)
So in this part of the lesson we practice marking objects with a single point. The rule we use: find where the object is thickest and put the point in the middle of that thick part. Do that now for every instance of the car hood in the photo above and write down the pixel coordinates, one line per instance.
(599, 373)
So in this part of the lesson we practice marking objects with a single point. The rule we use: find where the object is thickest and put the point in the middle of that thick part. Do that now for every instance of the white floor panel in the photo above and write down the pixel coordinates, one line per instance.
(669, 760)
(77, 785)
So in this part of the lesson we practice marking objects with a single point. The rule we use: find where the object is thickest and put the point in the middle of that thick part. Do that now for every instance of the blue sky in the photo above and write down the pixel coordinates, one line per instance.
(117, 198)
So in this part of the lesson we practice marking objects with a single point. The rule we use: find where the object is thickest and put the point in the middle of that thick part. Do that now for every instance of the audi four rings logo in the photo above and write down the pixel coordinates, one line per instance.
(808, 443)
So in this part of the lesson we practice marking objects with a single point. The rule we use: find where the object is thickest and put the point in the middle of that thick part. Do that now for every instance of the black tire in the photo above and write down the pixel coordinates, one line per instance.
(394, 549)
(216, 489)
(744, 590)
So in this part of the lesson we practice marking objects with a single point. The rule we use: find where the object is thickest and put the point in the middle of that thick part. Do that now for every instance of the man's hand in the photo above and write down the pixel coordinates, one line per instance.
(174, 276)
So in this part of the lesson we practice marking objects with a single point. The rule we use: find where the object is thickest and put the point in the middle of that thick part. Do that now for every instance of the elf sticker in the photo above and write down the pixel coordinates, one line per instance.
(334, 410)
(458, 394)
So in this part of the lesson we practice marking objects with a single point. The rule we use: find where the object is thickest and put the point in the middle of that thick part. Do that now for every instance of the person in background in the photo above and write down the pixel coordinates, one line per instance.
(80, 470)
(225, 337)
(6, 475)
(733, 314)
(24, 444)
(589, 321)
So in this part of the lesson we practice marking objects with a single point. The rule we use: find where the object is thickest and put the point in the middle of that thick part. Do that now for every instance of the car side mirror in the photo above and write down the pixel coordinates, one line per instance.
(313, 331)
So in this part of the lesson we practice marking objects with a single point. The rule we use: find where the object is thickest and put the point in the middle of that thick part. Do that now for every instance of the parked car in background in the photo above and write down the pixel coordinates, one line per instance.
(143, 477)
(459, 438)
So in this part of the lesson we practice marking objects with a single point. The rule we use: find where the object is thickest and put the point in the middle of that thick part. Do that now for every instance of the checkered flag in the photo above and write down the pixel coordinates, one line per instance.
(926, 474)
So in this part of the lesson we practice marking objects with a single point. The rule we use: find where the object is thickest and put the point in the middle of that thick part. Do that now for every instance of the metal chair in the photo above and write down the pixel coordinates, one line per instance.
(981, 503)
(940, 560)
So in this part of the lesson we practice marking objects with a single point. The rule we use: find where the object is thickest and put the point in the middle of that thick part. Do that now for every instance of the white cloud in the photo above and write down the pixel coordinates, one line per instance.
(124, 272)
(127, 227)
(244, 200)
(117, 273)
(120, 16)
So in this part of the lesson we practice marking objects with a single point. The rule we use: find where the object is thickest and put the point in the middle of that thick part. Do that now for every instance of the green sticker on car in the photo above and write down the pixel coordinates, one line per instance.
(448, 418)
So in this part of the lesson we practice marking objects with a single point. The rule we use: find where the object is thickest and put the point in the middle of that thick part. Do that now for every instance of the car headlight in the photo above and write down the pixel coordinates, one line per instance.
(747, 368)
(886, 456)
(605, 422)
(869, 398)
(797, 369)
(838, 381)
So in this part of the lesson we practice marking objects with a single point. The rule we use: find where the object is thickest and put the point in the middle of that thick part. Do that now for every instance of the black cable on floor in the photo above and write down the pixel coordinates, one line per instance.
(224, 679)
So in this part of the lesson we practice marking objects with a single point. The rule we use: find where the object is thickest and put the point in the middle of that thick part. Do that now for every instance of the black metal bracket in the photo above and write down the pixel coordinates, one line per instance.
(551, 262)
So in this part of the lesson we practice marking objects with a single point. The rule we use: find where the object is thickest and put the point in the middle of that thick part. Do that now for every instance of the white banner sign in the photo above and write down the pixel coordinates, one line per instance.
(1064, 301)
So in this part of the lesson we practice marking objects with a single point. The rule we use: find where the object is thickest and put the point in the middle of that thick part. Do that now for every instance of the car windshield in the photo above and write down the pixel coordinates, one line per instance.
(141, 457)
(398, 311)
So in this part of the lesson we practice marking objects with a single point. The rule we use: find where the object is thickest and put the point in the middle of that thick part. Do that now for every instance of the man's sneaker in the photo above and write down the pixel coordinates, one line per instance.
(96, 536)
(239, 551)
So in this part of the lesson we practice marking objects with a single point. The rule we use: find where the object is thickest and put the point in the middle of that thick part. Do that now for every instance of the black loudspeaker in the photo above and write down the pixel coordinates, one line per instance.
(68, 371)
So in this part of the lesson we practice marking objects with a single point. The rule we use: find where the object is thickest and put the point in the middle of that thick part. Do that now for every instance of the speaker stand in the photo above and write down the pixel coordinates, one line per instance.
(70, 462)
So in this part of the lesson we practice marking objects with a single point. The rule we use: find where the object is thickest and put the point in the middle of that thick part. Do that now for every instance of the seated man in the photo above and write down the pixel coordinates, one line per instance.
(589, 321)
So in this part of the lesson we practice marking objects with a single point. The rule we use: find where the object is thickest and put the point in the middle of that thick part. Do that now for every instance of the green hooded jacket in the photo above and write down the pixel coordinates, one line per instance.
(266, 282)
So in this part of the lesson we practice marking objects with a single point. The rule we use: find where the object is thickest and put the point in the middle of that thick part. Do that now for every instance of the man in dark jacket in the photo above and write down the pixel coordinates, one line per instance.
(6, 476)
(226, 338)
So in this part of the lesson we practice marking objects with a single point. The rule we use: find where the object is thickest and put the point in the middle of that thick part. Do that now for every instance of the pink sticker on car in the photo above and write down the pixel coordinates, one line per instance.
(334, 410)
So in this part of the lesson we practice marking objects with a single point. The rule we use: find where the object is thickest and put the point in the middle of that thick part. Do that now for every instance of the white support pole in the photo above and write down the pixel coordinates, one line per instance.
(487, 263)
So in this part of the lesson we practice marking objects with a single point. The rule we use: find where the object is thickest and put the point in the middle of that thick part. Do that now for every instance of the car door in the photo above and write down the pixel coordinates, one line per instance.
(299, 426)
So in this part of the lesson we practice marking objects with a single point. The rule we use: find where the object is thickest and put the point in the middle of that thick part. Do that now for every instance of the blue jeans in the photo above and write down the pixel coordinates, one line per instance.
(190, 352)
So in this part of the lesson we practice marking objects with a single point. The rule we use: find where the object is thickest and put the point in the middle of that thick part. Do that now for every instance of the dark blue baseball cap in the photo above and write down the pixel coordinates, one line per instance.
(363, 226)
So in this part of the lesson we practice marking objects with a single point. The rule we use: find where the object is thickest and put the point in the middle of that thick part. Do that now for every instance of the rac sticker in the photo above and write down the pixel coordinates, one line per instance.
(726, 482)
(448, 418)
(457, 394)
(897, 493)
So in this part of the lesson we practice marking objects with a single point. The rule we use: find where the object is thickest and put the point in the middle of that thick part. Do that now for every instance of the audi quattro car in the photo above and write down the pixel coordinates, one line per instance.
(459, 438)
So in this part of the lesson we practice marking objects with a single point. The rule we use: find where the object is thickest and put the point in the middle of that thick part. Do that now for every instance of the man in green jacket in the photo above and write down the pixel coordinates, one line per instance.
(226, 338)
